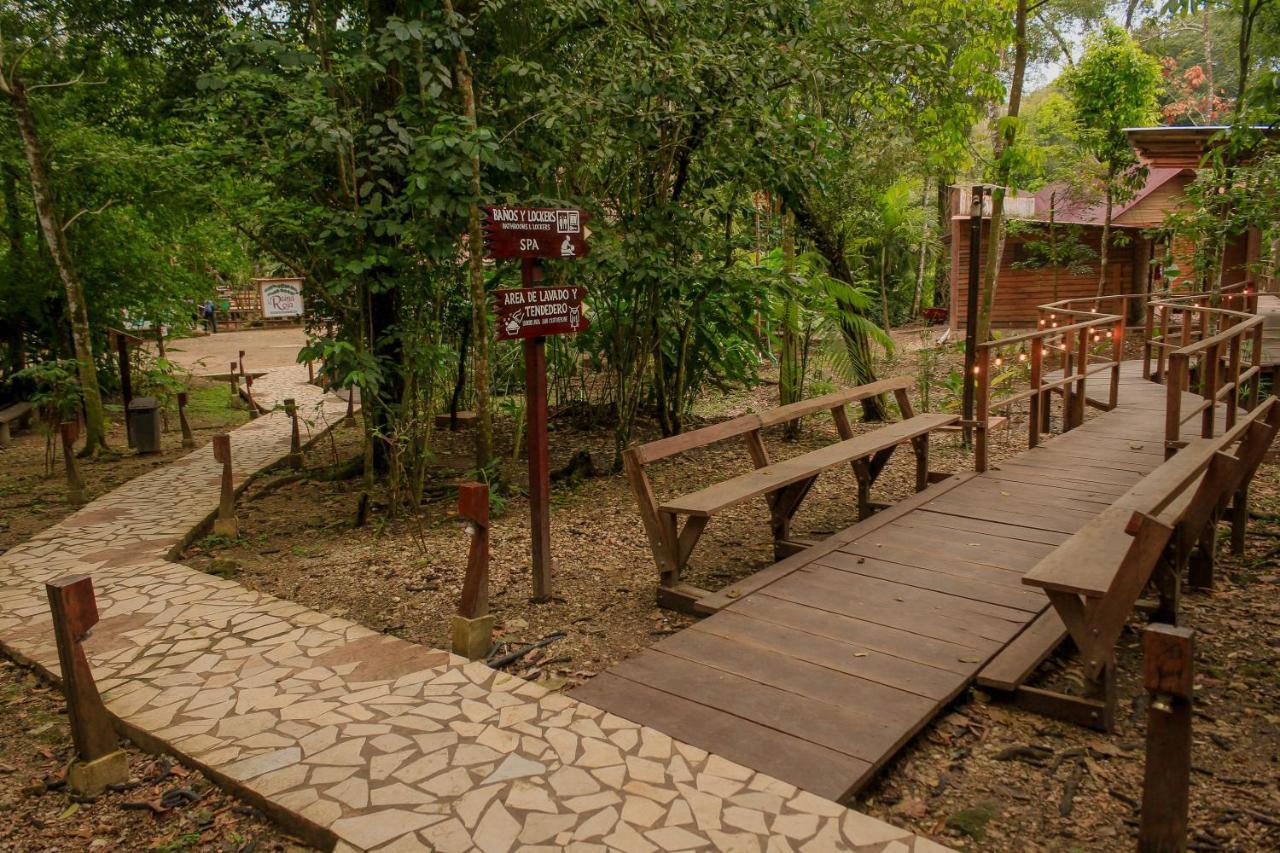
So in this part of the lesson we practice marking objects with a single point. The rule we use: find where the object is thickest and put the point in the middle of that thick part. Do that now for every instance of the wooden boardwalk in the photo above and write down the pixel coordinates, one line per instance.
(820, 668)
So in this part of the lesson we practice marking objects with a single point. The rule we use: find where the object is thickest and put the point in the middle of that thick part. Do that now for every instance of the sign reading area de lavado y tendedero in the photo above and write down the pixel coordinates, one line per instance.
(532, 312)
(281, 297)
(536, 232)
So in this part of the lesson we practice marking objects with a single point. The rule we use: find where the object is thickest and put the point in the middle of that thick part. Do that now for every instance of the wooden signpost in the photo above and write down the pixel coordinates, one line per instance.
(530, 314)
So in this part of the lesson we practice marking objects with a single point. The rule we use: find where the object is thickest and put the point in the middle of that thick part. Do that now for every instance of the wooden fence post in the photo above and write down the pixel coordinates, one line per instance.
(1167, 674)
(241, 362)
(225, 524)
(188, 440)
(295, 438)
(99, 761)
(248, 393)
(68, 430)
(472, 632)
(235, 383)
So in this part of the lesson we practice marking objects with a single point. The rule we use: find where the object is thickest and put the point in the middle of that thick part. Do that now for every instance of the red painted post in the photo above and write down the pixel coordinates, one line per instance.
(1166, 791)
(472, 627)
(99, 761)
(535, 390)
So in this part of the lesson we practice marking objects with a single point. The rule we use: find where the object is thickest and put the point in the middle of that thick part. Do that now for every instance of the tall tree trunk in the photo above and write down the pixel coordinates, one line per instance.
(942, 268)
(475, 249)
(1004, 141)
(884, 285)
(16, 266)
(832, 250)
(51, 228)
(1208, 66)
(790, 377)
(917, 300)
(1106, 233)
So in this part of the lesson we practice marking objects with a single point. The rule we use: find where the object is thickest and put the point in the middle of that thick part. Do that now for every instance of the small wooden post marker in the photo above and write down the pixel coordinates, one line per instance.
(242, 362)
(225, 524)
(99, 761)
(235, 383)
(68, 430)
(188, 440)
(472, 629)
(248, 393)
(1167, 674)
(295, 439)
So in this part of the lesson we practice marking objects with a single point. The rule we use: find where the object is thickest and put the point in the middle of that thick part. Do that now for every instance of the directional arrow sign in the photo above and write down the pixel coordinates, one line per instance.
(535, 232)
(534, 312)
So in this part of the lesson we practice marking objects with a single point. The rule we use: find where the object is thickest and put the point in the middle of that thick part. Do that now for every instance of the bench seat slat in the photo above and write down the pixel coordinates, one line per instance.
(12, 413)
(773, 477)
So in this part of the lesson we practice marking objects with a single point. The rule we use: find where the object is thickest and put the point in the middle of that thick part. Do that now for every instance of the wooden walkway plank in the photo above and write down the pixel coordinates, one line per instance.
(826, 772)
(819, 668)
(1018, 660)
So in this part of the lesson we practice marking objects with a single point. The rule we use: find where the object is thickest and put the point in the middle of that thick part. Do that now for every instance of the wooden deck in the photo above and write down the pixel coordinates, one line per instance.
(820, 668)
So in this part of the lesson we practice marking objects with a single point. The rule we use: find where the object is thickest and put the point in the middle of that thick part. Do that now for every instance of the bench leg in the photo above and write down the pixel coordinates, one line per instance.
(921, 447)
(1168, 582)
(1097, 711)
(783, 505)
(1202, 557)
(1239, 520)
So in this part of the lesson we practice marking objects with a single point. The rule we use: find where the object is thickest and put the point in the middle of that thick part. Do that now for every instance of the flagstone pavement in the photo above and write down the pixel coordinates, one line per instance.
(360, 741)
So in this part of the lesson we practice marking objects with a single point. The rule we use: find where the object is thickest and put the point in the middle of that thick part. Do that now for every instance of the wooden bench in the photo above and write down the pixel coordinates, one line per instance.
(1166, 523)
(18, 412)
(784, 484)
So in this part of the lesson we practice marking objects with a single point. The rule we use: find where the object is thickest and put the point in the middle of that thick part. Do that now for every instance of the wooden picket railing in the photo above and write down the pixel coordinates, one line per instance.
(1070, 346)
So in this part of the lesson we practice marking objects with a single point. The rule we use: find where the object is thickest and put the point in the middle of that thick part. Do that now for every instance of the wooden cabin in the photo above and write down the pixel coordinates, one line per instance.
(1171, 156)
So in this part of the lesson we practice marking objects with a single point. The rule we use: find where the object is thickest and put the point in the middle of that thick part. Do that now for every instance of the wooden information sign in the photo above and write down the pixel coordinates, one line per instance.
(530, 313)
(535, 232)
(539, 311)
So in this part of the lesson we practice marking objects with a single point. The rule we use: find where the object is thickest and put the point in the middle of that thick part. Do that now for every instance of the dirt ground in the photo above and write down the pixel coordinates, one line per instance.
(164, 808)
(32, 498)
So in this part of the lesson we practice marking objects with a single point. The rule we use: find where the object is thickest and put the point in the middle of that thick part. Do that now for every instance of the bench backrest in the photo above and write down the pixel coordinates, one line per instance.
(1182, 494)
(753, 423)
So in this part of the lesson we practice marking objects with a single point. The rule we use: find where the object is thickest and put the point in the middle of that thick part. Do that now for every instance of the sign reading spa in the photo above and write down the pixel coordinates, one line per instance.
(281, 297)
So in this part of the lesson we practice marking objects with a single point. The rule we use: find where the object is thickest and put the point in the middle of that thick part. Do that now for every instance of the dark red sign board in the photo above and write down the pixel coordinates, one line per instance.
(535, 232)
(534, 312)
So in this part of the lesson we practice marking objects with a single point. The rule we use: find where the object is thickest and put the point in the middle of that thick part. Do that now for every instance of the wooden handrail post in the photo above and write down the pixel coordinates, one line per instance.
(225, 524)
(295, 437)
(1255, 382)
(99, 761)
(1162, 357)
(1038, 399)
(1117, 356)
(1148, 330)
(1167, 668)
(235, 383)
(241, 359)
(1173, 402)
(472, 628)
(1233, 374)
(1209, 385)
(1083, 338)
(188, 439)
(68, 431)
(982, 378)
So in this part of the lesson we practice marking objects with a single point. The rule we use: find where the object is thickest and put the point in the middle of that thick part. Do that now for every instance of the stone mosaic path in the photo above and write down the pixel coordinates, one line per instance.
(360, 741)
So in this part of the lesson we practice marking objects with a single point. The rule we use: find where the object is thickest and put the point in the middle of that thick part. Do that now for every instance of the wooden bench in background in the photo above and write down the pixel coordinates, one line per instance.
(1165, 524)
(784, 484)
(19, 413)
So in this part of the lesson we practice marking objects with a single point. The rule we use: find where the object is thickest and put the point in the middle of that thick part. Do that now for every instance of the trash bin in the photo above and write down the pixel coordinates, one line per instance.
(144, 424)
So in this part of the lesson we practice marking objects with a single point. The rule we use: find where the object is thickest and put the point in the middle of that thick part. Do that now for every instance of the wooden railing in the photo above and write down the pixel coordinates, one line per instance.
(1071, 345)
(1210, 360)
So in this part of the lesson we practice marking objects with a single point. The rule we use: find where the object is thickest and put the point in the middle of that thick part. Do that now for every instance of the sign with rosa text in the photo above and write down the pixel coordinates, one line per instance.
(535, 232)
(281, 297)
(534, 312)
